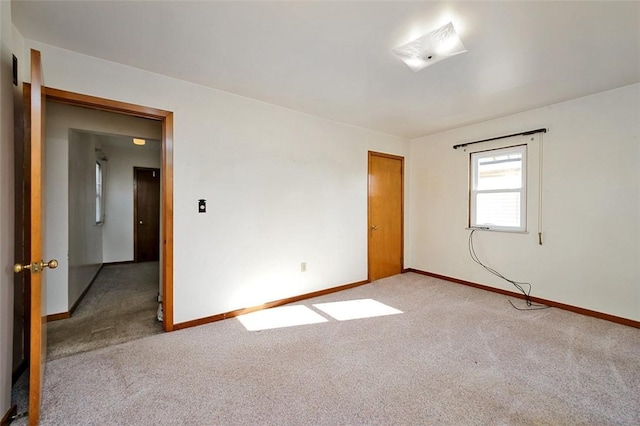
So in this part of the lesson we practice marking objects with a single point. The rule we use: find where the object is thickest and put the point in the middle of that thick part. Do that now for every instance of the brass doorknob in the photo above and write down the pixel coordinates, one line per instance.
(19, 267)
(36, 266)
(52, 264)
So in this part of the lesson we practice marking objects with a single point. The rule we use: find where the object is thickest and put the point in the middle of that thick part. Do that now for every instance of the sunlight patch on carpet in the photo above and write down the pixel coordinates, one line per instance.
(285, 316)
(355, 309)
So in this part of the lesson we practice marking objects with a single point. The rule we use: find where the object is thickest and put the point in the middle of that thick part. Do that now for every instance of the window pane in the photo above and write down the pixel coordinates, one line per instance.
(98, 193)
(501, 171)
(498, 208)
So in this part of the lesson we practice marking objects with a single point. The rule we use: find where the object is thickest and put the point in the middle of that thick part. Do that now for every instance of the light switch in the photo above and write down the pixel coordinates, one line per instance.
(202, 206)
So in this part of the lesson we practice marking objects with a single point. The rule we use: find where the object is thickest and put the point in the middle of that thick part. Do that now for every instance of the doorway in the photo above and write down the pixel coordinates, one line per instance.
(22, 309)
(166, 180)
(385, 215)
(146, 213)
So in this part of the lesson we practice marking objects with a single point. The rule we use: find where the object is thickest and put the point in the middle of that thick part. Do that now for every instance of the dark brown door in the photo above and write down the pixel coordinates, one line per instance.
(147, 214)
(385, 202)
(22, 239)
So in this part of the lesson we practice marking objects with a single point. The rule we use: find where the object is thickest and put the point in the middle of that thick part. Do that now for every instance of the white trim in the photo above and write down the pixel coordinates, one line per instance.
(522, 190)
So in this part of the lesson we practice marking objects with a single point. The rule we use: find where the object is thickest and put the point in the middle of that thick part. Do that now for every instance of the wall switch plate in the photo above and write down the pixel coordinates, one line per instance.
(303, 267)
(202, 206)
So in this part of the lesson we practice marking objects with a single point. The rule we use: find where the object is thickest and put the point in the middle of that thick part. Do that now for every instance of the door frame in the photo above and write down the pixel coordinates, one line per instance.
(166, 178)
(393, 157)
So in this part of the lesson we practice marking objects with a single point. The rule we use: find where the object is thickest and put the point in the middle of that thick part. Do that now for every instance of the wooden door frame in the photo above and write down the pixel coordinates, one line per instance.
(135, 208)
(394, 157)
(166, 178)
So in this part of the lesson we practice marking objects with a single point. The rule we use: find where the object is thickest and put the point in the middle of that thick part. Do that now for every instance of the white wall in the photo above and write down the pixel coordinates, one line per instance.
(117, 230)
(591, 205)
(56, 241)
(6, 207)
(64, 287)
(282, 188)
(85, 236)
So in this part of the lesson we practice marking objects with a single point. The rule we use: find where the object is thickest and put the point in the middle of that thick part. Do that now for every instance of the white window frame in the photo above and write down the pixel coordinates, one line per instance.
(473, 193)
(99, 193)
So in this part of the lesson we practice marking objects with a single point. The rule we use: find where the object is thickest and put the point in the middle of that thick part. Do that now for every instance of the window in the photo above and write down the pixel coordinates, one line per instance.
(99, 195)
(498, 189)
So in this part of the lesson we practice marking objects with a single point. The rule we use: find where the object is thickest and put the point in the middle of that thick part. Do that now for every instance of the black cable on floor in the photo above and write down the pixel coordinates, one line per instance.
(517, 284)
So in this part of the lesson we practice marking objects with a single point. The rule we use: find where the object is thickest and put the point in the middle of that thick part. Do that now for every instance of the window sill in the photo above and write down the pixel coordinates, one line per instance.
(482, 228)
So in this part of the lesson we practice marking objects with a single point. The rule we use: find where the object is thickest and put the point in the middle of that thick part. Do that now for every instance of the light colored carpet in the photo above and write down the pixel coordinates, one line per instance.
(456, 355)
(120, 306)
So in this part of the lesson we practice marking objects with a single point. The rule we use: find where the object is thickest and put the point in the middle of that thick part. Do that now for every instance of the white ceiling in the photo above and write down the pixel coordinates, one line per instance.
(333, 59)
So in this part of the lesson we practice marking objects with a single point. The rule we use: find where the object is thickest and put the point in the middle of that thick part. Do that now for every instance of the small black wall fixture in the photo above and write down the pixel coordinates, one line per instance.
(15, 70)
(530, 132)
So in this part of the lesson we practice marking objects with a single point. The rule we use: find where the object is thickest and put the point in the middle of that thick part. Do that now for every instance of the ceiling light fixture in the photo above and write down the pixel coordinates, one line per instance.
(139, 141)
(431, 48)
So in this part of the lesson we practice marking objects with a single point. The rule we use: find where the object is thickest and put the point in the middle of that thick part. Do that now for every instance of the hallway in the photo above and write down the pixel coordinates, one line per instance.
(120, 306)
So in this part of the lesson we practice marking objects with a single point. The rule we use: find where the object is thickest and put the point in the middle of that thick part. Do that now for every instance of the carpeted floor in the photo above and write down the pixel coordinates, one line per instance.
(120, 306)
(456, 355)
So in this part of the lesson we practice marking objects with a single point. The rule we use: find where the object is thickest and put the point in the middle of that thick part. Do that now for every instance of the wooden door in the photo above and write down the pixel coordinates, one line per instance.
(147, 214)
(35, 266)
(385, 203)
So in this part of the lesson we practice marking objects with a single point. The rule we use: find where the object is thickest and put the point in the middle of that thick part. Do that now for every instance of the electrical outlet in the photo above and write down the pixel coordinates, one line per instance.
(303, 267)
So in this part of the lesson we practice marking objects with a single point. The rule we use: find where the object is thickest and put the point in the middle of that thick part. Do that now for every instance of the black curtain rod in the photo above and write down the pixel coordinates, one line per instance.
(530, 132)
